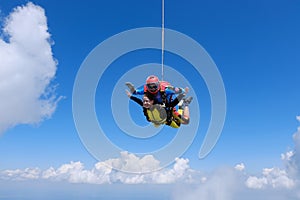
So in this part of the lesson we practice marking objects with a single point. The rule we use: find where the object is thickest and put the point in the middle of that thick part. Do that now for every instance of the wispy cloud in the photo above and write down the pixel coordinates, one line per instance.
(20, 174)
(27, 68)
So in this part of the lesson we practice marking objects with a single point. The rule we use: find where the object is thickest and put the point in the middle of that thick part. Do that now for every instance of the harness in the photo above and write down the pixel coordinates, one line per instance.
(168, 117)
(157, 114)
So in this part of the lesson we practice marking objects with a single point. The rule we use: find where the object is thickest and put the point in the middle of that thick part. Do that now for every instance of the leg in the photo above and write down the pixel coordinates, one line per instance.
(186, 115)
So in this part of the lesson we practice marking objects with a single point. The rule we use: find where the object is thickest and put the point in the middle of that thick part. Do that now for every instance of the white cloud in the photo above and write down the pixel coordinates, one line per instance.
(281, 178)
(271, 177)
(222, 184)
(102, 172)
(75, 172)
(296, 138)
(287, 156)
(180, 171)
(240, 167)
(292, 158)
(27, 68)
(273, 183)
(256, 183)
(19, 174)
(131, 163)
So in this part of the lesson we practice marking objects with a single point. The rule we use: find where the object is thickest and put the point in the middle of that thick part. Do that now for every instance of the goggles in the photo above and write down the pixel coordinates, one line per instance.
(152, 87)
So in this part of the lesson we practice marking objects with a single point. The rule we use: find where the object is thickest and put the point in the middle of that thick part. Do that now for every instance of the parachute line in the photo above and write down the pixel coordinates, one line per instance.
(162, 39)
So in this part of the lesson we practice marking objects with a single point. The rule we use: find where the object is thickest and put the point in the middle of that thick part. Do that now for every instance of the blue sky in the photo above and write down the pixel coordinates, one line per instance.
(254, 44)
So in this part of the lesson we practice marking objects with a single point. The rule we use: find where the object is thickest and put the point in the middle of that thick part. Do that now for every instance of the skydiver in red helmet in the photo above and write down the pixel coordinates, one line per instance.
(161, 92)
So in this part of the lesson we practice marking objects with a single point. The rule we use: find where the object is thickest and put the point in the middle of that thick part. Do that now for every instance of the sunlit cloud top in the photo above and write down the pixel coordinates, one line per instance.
(27, 68)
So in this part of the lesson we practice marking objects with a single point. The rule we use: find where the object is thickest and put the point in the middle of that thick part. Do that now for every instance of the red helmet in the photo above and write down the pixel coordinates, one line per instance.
(152, 83)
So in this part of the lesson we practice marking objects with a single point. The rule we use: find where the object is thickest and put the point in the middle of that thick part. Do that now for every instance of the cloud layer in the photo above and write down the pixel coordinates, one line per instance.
(222, 184)
(27, 68)
(226, 183)
(102, 173)
(235, 183)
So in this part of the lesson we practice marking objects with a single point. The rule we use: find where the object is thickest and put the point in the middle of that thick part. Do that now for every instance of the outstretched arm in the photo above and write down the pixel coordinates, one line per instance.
(139, 90)
(133, 90)
(135, 99)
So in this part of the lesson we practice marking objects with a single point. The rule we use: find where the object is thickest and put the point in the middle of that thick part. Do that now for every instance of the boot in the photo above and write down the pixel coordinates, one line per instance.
(187, 100)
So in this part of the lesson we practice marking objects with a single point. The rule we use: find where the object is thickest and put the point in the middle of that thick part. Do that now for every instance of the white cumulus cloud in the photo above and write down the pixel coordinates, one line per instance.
(292, 158)
(132, 163)
(180, 171)
(225, 183)
(27, 68)
(20, 174)
(271, 177)
(287, 156)
(75, 172)
(102, 172)
(256, 183)
(240, 167)
(228, 183)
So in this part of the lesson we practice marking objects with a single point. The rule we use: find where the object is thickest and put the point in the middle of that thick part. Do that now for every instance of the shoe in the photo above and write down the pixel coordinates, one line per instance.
(180, 103)
(156, 125)
(131, 87)
(187, 100)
